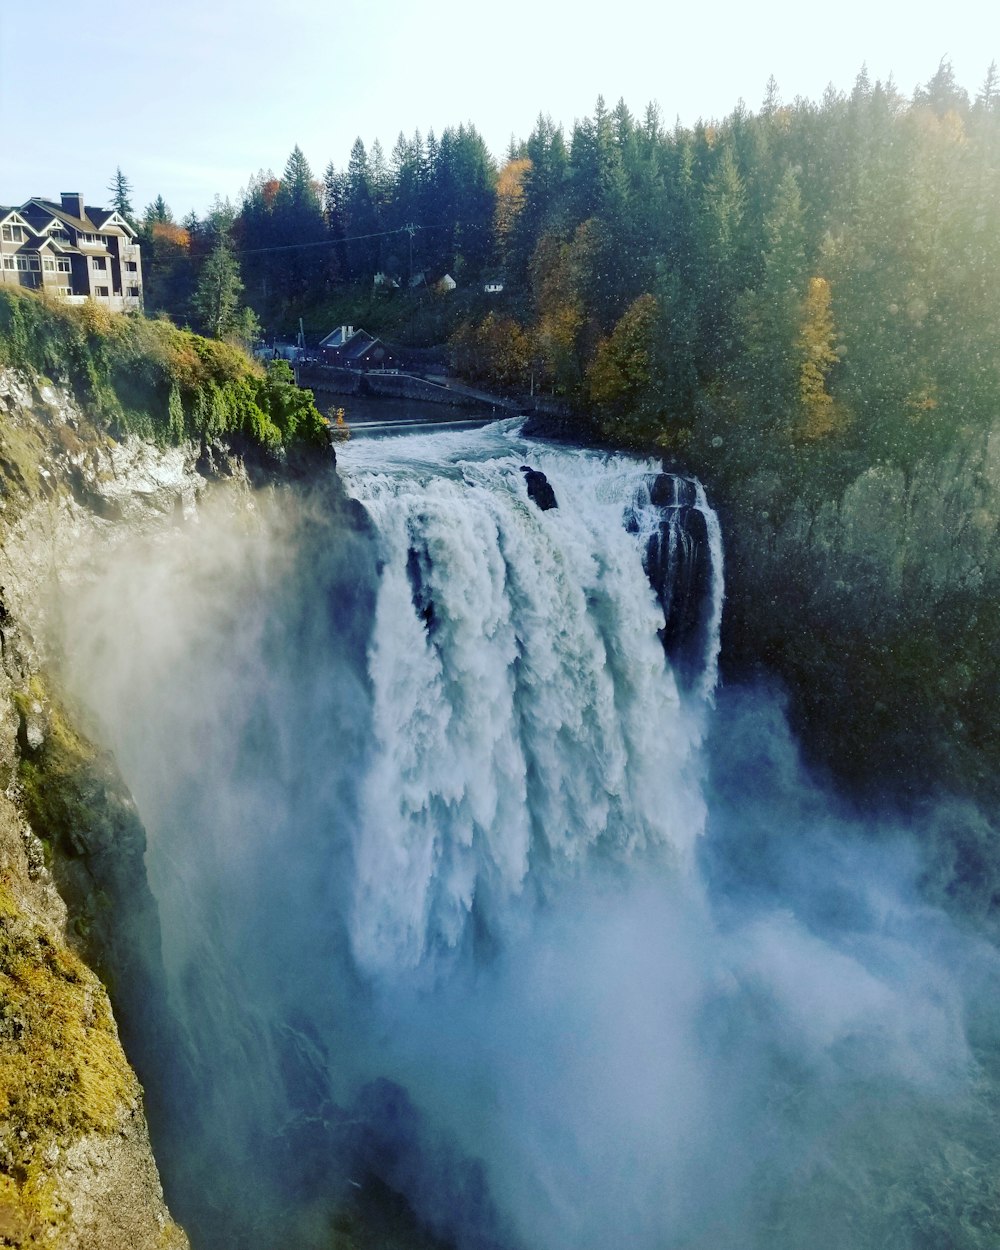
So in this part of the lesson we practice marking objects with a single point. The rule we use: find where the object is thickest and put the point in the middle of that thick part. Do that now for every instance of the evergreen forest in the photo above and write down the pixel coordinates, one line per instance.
(809, 273)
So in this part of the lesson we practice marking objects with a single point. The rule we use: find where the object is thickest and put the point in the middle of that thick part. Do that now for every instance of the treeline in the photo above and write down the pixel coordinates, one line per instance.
(294, 244)
(809, 274)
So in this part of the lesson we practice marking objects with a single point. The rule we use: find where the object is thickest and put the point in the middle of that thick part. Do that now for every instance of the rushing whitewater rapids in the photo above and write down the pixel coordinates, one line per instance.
(470, 894)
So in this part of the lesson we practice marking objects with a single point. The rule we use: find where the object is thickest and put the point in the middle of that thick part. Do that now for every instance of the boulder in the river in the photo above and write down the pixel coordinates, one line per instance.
(539, 488)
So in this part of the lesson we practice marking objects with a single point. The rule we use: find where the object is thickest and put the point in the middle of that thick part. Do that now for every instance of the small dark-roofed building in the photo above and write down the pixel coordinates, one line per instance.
(355, 349)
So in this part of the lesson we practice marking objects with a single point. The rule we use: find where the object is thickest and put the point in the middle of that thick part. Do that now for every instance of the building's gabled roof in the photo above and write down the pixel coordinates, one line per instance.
(350, 344)
(53, 223)
(361, 343)
(343, 335)
(56, 210)
(108, 219)
(37, 243)
(7, 214)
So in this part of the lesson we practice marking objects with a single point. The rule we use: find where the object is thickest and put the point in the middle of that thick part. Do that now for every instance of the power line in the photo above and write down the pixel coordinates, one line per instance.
(409, 229)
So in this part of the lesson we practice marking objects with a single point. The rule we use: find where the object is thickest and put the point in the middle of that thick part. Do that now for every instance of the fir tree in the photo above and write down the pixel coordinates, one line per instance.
(121, 190)
(217, 298)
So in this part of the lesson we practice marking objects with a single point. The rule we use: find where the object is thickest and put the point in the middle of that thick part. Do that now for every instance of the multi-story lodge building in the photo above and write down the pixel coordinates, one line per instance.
(71, 251)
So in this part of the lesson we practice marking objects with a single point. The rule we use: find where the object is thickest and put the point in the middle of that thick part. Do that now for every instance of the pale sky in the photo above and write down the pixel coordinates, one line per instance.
(192, 97)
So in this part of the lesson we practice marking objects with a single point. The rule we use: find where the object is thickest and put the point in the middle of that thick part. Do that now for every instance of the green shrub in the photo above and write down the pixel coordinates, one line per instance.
(135, 375)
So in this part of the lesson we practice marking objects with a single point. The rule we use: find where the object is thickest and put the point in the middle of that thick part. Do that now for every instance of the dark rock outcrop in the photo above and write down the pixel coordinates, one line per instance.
(678, 562)
(539, 487)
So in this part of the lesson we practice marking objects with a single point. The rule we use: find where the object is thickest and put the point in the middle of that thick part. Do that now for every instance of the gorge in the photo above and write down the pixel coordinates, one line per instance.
(481, 919)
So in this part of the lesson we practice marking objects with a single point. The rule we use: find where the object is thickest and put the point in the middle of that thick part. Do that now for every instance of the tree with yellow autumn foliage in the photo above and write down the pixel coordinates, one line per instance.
(619, 376)
(496, 351)
(510, 196)
(816, 345)
(559, 312)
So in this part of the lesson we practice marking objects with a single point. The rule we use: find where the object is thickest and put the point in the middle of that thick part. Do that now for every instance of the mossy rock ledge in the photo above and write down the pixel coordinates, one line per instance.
(76, 1166)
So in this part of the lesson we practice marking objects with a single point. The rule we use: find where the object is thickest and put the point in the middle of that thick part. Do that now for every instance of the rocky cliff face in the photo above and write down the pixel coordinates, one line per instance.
(76, 1166)
(880, 611)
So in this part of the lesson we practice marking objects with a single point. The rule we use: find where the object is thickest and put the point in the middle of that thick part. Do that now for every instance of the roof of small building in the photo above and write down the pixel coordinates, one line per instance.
(358, 346)
(345, 334)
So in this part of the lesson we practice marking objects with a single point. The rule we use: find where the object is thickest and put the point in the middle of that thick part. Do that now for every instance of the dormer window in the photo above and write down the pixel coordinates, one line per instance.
(13, 234)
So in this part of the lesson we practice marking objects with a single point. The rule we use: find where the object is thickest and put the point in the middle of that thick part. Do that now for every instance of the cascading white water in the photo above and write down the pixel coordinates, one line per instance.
(525, 714)
(425, 805)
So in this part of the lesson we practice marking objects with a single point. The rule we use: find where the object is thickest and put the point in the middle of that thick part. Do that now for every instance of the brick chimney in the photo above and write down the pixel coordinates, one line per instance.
(72, 203)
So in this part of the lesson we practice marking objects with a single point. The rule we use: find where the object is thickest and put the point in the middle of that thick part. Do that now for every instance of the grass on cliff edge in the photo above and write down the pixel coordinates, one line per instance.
(139, 376)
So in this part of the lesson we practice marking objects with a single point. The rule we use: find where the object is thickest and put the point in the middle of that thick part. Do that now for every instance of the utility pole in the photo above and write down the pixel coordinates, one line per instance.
(411, 230)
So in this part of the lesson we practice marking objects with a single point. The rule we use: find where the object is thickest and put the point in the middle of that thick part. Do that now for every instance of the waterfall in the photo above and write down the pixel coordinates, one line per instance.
(477, 913)
(526, 716)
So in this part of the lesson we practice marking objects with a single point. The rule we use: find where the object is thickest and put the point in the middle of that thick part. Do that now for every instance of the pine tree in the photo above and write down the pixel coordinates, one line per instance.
(942, 93)
(333, 200)
(360, 215)
(297, 181)
(767, 366)
(121, 190)
(381, 179)
(217, 298)
(297, 219)
(988, 97)
(158, 211)
(772, 98)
